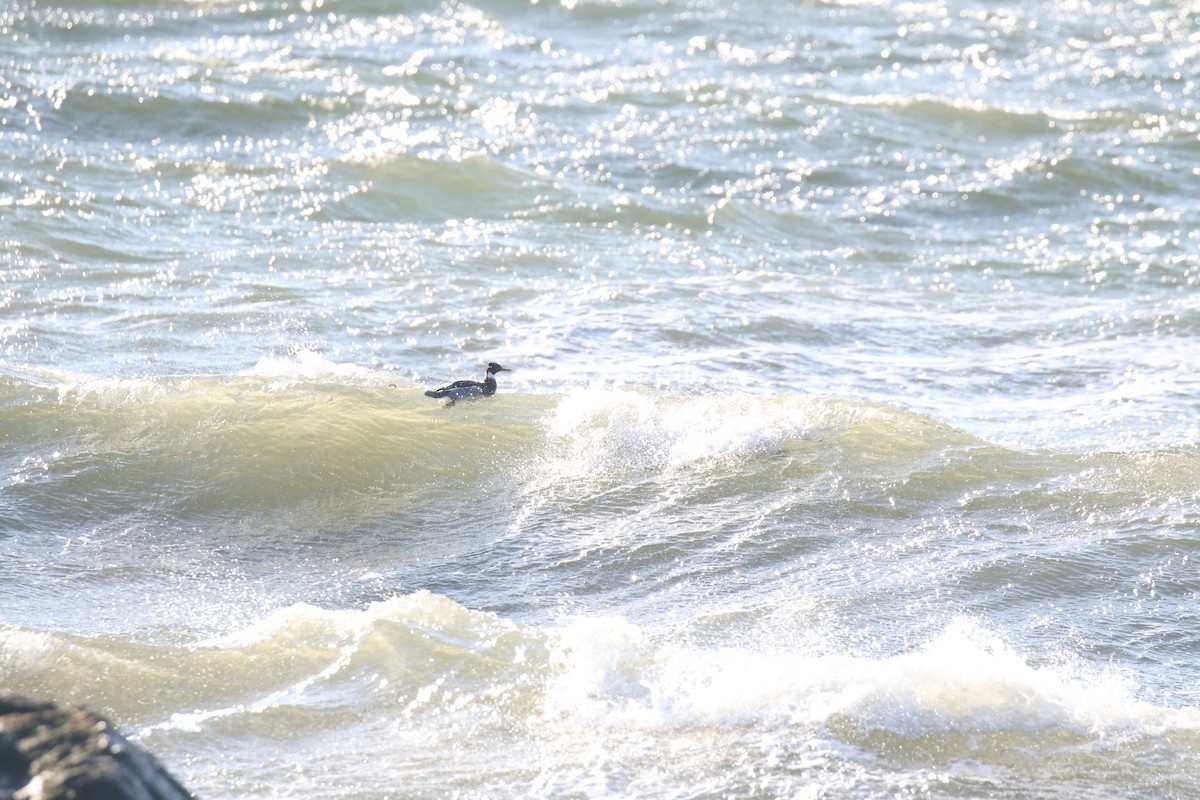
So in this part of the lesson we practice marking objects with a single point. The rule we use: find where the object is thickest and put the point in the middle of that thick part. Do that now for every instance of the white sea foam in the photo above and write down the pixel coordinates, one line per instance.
(620, 428)
(306, 365)
(970, 221)
(967, 679)
(567, 701)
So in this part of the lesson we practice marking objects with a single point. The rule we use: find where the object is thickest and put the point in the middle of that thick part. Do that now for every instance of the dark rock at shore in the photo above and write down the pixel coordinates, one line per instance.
(53, 753)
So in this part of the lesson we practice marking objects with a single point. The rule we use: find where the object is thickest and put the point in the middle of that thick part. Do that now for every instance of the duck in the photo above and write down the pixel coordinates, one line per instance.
(460, 390)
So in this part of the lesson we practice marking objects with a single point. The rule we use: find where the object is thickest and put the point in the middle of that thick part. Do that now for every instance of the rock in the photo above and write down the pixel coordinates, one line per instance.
(53, 753)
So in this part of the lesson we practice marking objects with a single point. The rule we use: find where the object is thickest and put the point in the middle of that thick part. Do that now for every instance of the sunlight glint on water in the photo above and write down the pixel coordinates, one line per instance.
(849, 448)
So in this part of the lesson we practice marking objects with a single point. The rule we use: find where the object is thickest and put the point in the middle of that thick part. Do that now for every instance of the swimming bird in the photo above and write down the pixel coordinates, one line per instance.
(470, 389)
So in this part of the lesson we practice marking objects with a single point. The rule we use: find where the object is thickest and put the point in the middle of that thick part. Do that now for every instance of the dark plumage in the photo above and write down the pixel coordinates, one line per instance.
(460, 389)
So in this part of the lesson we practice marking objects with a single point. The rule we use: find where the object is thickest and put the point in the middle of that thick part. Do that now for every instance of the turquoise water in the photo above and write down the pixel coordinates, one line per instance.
(850, 448)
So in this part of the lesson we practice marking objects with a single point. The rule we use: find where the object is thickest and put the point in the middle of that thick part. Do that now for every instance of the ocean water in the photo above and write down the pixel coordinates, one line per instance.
(851, 447)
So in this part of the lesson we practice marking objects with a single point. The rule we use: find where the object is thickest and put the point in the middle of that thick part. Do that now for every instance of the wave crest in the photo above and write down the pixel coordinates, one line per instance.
(622, 429)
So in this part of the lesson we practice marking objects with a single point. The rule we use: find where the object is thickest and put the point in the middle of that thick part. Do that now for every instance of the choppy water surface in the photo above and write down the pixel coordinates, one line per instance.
(850, 449)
